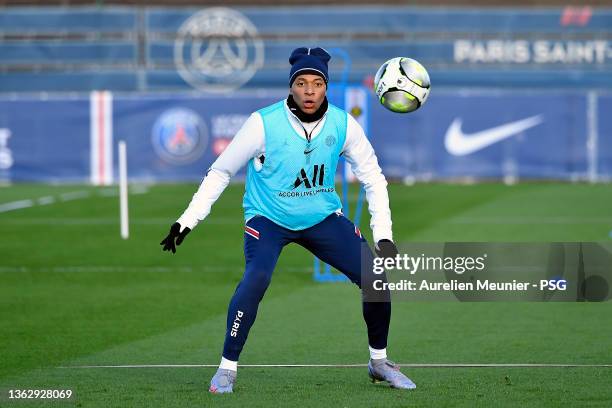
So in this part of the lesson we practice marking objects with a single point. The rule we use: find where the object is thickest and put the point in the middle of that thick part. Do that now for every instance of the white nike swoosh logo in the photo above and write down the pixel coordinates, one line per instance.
(458, 143)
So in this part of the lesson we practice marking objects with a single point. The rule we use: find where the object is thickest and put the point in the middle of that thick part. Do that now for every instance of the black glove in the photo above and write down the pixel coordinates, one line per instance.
(175, 232)
(385, 248)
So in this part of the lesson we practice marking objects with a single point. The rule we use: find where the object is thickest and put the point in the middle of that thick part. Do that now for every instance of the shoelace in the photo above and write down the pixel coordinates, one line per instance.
(392, 365)
(225, 379)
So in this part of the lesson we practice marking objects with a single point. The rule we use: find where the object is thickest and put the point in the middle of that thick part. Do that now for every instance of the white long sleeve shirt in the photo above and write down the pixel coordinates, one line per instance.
(249, 144)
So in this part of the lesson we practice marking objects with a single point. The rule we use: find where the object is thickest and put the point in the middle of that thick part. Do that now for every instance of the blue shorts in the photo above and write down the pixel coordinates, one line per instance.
(335, 240)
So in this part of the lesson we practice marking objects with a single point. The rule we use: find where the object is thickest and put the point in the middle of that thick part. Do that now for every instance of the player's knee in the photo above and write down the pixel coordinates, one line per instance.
(257, 278)
(374, 290)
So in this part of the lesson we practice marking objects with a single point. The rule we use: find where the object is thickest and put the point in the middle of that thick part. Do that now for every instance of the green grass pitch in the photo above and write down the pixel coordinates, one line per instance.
(73, 293)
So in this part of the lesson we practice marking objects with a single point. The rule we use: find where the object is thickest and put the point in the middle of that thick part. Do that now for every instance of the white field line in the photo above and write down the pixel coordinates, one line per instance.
(531, 220)
(114, 192)
(46, 200)
(138, 189)
(15, 205)
(108, 192)
(68, 196)
(107, 269)
(217, 220)
(113, 269)
(429, 365)
(74, 195)
(214, 220)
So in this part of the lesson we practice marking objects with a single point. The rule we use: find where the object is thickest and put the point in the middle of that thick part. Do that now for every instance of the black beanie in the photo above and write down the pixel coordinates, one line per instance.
(308, 61)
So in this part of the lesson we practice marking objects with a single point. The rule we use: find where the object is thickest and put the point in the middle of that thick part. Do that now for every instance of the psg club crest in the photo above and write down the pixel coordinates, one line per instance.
(218, 50)
(179, 136)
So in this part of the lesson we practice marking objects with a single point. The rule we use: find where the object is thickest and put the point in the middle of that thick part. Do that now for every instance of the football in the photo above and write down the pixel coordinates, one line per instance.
(402, 85)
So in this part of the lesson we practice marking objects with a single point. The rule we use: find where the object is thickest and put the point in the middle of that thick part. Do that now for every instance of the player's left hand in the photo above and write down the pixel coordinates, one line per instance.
(175, 232)
(385, 248)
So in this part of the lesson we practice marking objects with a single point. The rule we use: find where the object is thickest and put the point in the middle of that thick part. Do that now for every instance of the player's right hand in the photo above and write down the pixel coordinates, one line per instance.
(385, 248)
(175, 233)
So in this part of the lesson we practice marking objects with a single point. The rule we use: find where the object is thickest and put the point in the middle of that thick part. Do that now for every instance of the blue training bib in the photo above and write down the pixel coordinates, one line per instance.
(295, 187)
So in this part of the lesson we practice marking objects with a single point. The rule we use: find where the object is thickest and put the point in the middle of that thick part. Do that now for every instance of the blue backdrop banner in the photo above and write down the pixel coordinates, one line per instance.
(510, 135)
(45, 139)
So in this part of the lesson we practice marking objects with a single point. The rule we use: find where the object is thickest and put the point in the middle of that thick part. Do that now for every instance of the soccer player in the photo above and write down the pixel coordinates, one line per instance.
(292, 149)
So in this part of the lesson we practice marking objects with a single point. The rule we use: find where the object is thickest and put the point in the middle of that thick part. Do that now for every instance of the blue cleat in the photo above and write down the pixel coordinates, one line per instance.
(385, 370)
(223, 381)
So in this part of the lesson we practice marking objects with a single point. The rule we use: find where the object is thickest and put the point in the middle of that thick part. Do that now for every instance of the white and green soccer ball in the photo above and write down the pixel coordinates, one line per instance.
(402, 85)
